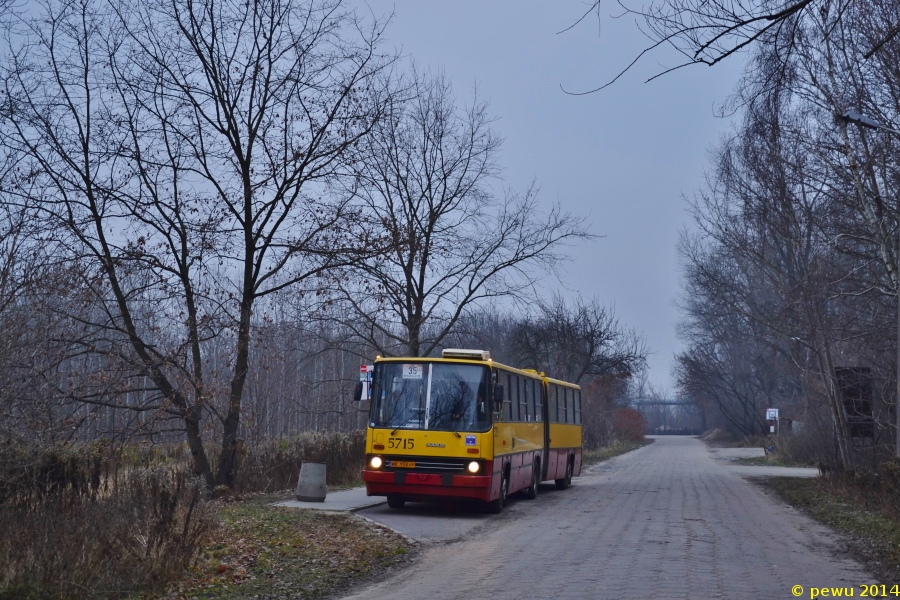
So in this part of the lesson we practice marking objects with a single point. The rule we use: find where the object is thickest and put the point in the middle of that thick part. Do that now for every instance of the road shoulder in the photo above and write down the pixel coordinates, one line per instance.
(868, 537)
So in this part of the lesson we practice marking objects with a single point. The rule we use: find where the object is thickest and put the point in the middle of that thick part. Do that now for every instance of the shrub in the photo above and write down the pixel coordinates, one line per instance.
(629, 425)
(877, 490)
(69, 473)
(719, 436)
(600, 398)
(274, 464)
(138, 537)
(82, 521)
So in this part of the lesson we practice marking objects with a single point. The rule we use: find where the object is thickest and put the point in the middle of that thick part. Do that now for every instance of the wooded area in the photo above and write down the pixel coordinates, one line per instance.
(214, 212)
(791, 270)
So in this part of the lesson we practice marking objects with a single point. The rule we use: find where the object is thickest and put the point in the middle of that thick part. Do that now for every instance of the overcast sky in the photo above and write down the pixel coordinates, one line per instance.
(626, 155)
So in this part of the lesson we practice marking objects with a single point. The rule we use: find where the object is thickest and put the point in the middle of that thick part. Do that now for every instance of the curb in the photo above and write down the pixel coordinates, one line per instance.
(358, 508)
(379, 524)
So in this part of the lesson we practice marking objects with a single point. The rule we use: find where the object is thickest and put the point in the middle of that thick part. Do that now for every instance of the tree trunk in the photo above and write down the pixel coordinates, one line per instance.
(228, 455)
(195, 443)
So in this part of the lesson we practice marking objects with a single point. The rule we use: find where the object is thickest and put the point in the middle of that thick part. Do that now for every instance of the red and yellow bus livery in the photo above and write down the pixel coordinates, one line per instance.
(463, 426)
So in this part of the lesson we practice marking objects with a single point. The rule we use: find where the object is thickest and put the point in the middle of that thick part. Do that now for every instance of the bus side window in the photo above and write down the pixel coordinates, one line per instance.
(533, 401)
(570, 405)
(529, 399)
(505, 408)
(578, 407)
(538, 400)
(554, 403)
(514, 398)
(551, 403)
(523, 399)
(562, 404)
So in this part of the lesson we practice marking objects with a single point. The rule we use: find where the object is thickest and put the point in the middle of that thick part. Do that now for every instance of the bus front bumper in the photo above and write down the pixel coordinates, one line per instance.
(423, 486)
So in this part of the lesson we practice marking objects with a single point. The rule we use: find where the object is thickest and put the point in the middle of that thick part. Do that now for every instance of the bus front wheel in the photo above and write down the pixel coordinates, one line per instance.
(495, 506)
(395, 501)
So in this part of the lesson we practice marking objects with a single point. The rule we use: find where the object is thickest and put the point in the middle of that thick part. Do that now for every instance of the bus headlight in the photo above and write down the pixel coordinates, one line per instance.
(376, 462)
(473, 467)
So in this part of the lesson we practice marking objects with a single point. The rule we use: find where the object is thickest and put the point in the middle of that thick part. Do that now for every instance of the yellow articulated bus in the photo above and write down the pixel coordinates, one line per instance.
(462, 426)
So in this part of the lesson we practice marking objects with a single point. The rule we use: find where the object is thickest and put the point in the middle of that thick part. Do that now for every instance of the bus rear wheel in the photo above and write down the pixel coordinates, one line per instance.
(566, 481)
(495, 506)
(531, 491)
(395, 501)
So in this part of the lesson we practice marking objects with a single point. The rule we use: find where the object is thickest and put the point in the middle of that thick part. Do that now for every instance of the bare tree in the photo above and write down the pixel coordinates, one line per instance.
(792, 276)
(425, 179)
(706, 32)
(179, 152)
(577, 341)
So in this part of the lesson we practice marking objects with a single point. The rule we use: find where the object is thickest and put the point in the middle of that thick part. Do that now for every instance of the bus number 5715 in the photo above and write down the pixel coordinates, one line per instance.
(404, 443)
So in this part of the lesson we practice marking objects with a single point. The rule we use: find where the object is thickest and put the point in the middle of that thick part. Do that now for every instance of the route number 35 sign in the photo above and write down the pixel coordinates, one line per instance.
(412, 371)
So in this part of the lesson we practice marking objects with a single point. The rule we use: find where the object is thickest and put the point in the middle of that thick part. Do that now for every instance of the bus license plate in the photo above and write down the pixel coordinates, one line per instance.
(403, 464)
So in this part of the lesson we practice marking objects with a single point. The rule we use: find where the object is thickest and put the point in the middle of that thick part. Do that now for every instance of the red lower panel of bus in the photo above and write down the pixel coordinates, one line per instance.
(558, 460)
(422, 485)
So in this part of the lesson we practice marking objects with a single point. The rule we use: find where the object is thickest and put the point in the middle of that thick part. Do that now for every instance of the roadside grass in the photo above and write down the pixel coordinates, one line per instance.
(265, 551)
(720, 438)
(873, 538)
(770, 460)
(592, 457)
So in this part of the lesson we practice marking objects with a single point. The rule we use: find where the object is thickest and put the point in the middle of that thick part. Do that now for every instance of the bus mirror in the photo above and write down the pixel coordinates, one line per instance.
(498, 395)
(357, 393)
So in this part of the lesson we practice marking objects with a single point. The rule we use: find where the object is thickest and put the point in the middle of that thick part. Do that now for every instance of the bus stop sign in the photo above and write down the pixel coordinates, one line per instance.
(365, 376)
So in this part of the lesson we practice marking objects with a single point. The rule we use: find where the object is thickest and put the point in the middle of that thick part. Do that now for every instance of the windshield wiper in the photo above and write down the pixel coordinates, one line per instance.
(401, 425)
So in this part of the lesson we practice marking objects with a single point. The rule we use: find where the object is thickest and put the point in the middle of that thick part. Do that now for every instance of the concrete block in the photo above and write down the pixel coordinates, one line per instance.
(311, 485)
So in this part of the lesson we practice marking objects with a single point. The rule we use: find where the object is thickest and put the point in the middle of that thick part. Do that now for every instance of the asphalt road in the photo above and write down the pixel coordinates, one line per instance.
(665, 521)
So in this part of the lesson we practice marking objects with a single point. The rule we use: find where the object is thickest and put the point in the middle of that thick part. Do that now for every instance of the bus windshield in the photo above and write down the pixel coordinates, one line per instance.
(434, 396)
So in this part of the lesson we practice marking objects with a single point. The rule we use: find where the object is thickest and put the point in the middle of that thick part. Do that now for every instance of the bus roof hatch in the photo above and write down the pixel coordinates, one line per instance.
(469, 354)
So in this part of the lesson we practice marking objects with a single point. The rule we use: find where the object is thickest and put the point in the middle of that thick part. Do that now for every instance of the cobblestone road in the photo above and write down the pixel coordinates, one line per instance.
(665, 521)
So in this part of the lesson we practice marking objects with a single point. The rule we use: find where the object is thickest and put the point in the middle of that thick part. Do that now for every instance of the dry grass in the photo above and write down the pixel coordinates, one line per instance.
(591, 457)
(273, 465)
(265, 551)
(82, 521)
(721, 438)
(769, 460)
(139, 537)
(871, 536)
